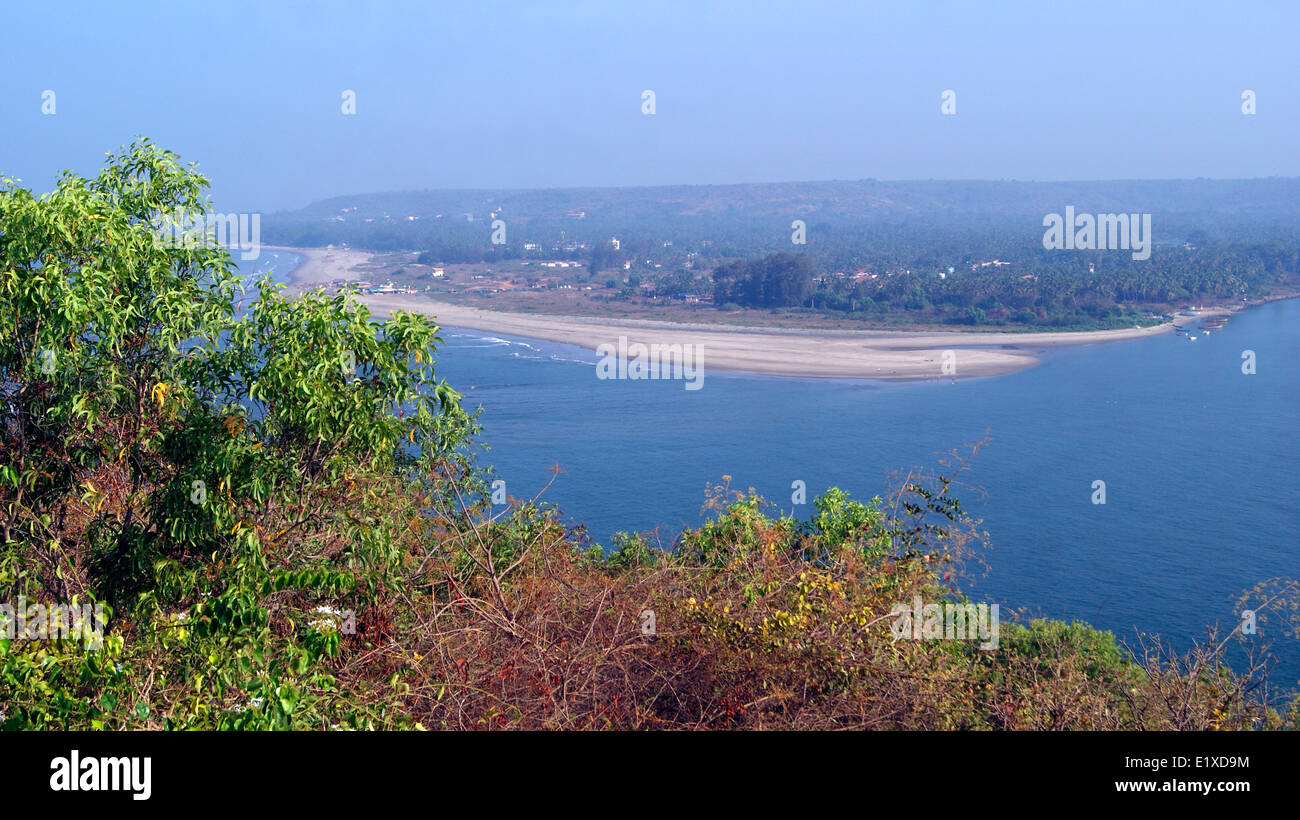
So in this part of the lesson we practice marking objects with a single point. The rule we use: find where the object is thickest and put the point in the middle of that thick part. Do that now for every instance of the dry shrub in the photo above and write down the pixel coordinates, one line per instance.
(762, 622)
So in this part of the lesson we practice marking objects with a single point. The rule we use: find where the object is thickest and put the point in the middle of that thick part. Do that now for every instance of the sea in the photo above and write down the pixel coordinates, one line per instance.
(1197, 459)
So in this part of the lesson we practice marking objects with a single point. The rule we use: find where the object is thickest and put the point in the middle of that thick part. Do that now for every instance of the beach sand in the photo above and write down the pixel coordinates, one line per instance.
(324, 265)
(813, 353)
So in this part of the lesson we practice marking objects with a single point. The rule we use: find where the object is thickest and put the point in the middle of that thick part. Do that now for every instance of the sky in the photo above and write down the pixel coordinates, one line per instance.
(550, 94)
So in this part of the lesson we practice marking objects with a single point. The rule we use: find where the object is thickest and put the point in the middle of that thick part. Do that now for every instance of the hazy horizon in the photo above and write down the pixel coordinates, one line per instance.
(516, 97)
(803, 182)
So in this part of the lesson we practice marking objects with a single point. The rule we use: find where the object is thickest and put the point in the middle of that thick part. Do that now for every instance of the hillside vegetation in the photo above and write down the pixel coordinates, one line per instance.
(877, 253)
(277, 504)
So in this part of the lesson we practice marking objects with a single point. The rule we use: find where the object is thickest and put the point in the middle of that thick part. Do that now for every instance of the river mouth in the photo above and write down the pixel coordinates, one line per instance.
(637, 455)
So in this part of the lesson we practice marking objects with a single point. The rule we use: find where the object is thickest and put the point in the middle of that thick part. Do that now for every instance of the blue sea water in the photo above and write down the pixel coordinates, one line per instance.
(1199, 460)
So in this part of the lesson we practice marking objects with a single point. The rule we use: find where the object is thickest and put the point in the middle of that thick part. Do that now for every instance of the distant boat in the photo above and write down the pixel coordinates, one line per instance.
(1193, 338)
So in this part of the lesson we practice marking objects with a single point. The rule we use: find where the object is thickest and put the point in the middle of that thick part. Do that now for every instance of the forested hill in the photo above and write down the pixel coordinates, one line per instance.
(884, 252)
(1213, 210)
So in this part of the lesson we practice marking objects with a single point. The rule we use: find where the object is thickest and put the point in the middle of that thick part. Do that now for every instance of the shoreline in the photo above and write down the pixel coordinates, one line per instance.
(883, 355)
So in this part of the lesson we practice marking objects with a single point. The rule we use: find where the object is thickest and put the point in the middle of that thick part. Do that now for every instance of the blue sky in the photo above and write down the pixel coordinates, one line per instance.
(547, 94)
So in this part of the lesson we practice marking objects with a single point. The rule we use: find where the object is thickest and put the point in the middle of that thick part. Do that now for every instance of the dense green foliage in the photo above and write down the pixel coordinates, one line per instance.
(186, 464)
(780, 280)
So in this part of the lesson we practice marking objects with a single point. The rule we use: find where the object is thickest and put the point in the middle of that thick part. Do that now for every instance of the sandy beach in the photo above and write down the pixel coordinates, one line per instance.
(884, 355)
(323, 265)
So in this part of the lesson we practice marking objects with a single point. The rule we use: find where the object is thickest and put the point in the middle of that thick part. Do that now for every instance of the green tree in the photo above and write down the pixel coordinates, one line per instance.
(211, 476)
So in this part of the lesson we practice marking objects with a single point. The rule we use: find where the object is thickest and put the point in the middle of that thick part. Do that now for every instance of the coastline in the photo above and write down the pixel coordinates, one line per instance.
(885, 355)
